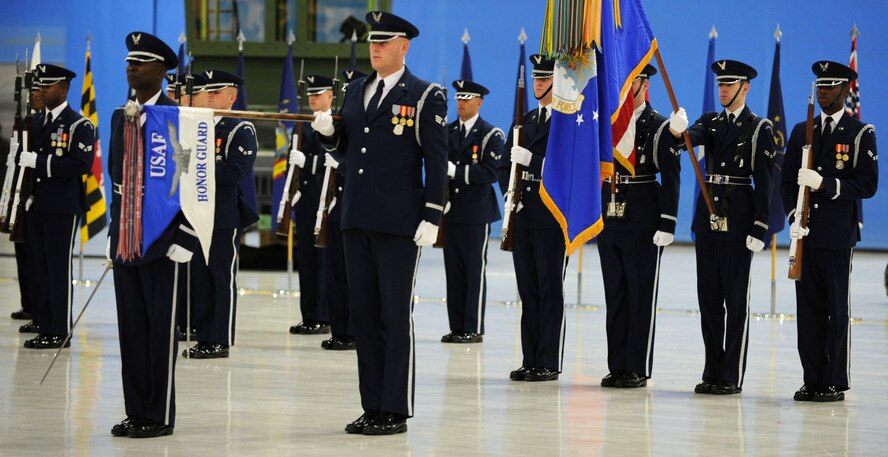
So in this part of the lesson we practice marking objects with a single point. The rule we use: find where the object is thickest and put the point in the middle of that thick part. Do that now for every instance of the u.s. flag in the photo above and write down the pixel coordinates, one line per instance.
(180, 172)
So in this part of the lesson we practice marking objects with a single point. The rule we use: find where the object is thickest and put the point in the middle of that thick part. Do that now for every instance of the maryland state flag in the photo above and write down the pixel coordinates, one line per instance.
(96, 217)
(287, 104)
(599, 52)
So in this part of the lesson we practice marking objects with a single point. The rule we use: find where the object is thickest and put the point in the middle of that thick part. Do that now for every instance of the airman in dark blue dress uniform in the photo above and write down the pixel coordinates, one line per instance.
(312, 278)
(639, 223)
(844, 169)
(214, 283)
(739, 151)
(336, 276)
(475, 149)
(394, 129)
(539, 253)
(61, 152)
(145, 287)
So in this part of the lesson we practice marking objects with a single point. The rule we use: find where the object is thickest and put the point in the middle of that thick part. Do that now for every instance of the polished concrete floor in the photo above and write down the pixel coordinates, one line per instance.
(281, 394)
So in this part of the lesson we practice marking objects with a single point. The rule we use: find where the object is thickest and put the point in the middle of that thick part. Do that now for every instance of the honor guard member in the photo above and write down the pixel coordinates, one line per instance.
(739, 154)
(639, 221)
(312, 290)
(198, 97)
(26, 284)
(336, 278)
(394, 131)
(475, 148)
(61, 153)
(539, 253)
(844, 169)
(145, 284)
(214, 283)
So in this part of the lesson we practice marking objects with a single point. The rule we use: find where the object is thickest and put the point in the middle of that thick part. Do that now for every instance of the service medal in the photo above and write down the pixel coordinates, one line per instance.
(395, 120)
(403, 121)
(840, 164)
(409, 122)
(53, 144)
(398, 130)
(59, 152)
(845, 157)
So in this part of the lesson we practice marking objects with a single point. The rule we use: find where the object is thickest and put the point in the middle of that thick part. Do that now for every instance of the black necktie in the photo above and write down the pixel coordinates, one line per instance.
(47, 119)
(827, 129)
(462, 134)
(374, 100)
(731, 118)
(542, 119)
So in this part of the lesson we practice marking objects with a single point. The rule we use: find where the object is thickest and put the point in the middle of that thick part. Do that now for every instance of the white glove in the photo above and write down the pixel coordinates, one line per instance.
(663, 238)
(332, 204)
(810, 178)
(108, 249)
(426, 234)
(297, 158)
(678, 121)
(446, 207)
(754, 244)
(451, 170)
(323, 123)
(797, 232)
(29, 202)
(28, 159)
(295, 198)
(330, 161)
(179, 254)
(521, 156)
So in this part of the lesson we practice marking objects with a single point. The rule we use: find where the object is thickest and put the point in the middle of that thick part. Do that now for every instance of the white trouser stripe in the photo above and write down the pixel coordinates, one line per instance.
(172, 351)
(481, 277)
(650, 345)
(563, 317)
(848, 338)
(70, 307)
(231, 291)
(410, 318)
(744, 341)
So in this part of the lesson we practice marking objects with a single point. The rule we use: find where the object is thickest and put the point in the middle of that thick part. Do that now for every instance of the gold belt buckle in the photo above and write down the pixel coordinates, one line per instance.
(616, 210)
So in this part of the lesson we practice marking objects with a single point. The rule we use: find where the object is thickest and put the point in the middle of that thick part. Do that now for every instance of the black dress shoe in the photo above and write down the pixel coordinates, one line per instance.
(182, 336)
(356, 427)
(46, 342)
(830, 393)
(342, 343)
(610, 380)
(804, 394)
(207, 351)
(704, 387)
(122, 428)
(465, 338)
(148, 429)
(519, 374)
(541, 374)
(386, 424)
(21, 315)
(448, 338)
(725, 388)
(30, 327)
(631, 380)
(310, 328)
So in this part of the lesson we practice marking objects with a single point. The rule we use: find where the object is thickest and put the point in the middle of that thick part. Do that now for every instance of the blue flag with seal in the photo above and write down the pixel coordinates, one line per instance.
(590, 89)
(180, 172)
(775, 114)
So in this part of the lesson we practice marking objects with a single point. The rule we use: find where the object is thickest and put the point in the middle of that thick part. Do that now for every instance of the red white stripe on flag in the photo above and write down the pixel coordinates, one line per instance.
(623, 131)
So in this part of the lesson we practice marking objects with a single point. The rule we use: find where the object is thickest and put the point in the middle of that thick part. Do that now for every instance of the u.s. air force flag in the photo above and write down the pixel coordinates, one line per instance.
(180, 171)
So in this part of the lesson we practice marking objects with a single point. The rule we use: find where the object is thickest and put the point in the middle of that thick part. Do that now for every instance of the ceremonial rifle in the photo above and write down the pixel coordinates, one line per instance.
(328, 188)
(513, 193)
(803, 199)
(291, 185)
(23, 182)
(6, 199)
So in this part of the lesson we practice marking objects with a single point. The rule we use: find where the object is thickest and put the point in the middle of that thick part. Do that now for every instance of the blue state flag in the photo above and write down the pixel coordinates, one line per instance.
(287, 104)
(776, 115)
(179, 172)
(465, 70)
(521, 72)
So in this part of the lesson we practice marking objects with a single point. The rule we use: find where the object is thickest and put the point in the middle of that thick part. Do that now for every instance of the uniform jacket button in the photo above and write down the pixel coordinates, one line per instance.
(816, 206)
(456, 190)
(819, 168)
(715, 198)
(366, 129)
(361, 171)
(363, 150)
(722, 164)
(38, 179)
(528, 189)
